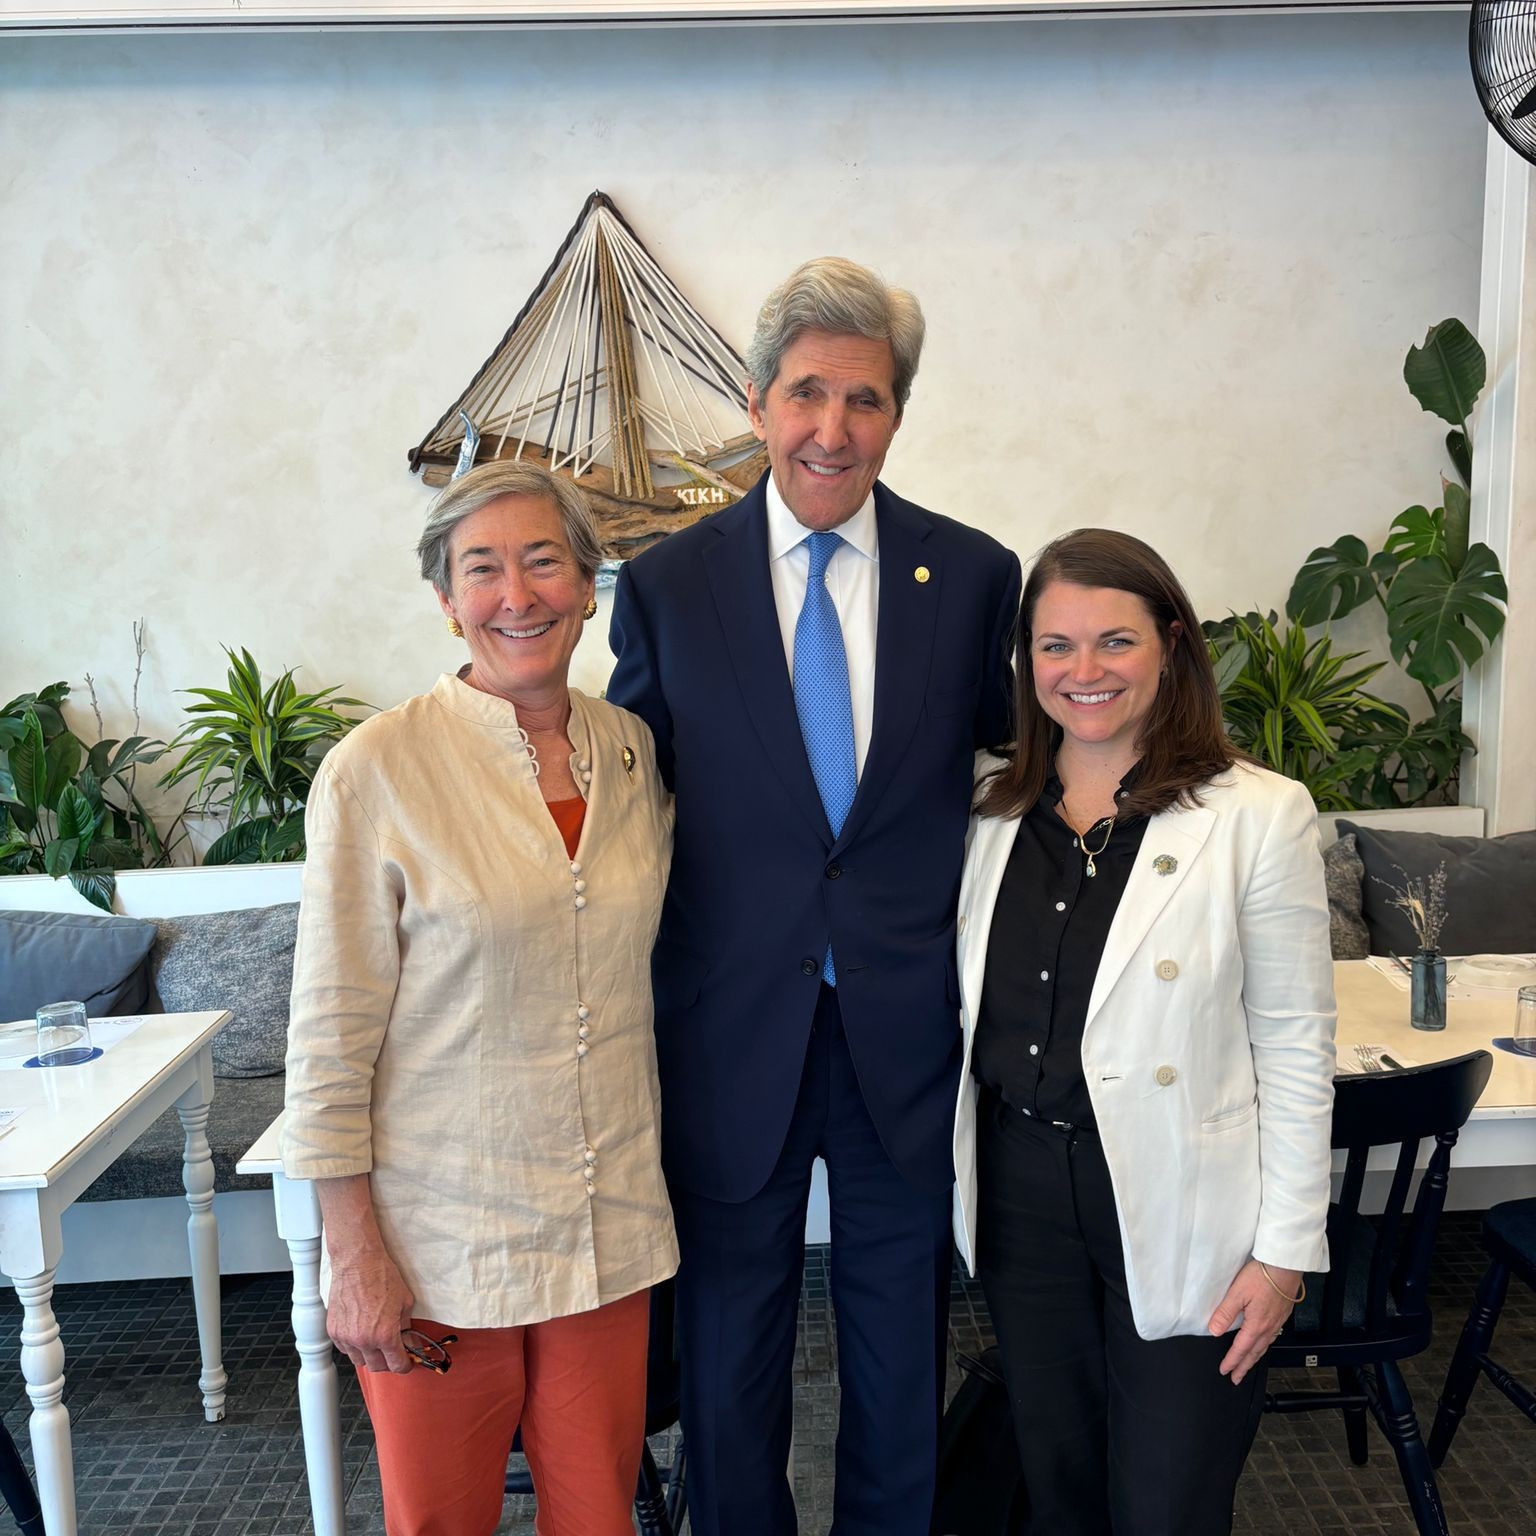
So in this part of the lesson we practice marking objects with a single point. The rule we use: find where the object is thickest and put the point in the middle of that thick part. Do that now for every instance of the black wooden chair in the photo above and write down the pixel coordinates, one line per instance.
(1370, 1310)
(1509, 1235)
(661, 1495)
(16, 1488)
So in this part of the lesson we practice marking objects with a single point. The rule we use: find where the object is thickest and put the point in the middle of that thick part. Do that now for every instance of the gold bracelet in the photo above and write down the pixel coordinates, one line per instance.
(1300, 1296)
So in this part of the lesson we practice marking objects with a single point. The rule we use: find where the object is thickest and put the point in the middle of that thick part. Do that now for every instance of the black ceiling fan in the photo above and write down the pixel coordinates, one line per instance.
(1502, 46)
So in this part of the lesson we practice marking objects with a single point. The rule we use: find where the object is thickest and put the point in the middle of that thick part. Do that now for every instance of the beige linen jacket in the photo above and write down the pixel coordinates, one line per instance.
(471, 1018)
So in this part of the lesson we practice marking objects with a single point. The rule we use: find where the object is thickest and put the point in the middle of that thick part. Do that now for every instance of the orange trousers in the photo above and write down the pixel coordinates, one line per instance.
(575, 1385)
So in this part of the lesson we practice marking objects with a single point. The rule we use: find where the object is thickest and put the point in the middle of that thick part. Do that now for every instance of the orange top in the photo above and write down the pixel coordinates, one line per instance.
(569, 815)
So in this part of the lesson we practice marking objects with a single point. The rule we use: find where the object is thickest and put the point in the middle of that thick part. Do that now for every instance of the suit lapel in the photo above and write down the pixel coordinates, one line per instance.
(903, 646)
(1176, 835)
(736, 565)
(992, 839)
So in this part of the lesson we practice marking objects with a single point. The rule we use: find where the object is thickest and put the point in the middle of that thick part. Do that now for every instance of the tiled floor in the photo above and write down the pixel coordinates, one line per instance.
(147, 1465)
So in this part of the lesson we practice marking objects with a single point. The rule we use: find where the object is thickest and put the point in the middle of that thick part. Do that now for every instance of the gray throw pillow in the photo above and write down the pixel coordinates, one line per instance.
(242, 961)
(55, 957)
(1344, 874)
(1490, 889)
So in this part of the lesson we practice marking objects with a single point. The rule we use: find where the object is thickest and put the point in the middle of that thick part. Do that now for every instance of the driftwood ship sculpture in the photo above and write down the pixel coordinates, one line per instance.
(609, 375)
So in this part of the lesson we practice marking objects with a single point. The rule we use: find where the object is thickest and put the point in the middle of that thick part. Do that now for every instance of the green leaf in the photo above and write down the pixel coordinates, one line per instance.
(98, 886)
(1441, 621)
(1416, 534)
(115, 853)
(1460, 450)
(62, 760)
(240, 845)
(1228, 664)
(28, 761)
(1457, 523)
(1447, 373)
(1336, 580)
(284, 842)
(77, 819)
(59, 855)
(11, 845)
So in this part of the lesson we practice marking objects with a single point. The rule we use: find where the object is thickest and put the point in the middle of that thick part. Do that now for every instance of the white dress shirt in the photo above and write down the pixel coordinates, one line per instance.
(853, 580)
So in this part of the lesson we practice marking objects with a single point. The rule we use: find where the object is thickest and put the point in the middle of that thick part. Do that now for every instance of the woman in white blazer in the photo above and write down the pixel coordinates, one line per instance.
(1142, 1134)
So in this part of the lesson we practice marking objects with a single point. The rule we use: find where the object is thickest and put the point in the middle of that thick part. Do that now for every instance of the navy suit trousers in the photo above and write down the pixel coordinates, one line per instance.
(739, 1291)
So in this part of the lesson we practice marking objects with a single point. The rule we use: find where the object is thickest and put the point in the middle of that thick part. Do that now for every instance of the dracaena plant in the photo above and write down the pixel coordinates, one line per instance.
(1290, 701)
(1443, 596)
(68, 809)
(252, 749)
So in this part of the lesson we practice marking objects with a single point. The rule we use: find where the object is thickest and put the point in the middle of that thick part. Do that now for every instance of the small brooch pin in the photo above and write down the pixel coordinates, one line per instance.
(1165, 863)
(629, 760)
(921, 574)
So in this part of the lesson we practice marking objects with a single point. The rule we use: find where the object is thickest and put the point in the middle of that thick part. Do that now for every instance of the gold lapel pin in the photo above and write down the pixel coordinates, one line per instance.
(921, 574)
(1165, 863)
(629, 760)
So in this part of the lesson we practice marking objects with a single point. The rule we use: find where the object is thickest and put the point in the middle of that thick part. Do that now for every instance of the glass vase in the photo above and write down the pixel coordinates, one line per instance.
(1428, 978)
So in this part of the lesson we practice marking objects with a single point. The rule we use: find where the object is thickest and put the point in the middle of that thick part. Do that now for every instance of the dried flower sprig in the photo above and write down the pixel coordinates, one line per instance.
(1423, 900)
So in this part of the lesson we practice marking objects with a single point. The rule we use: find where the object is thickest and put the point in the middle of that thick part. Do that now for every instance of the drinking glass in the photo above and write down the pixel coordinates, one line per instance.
(63, 1035)
(1525, 1021)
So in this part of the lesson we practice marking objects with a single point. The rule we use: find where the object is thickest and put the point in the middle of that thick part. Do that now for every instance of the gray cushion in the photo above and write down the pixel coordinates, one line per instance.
(242, 961)
(242, 1109)
(1344, 874)
(1490, 889)
(55, 957)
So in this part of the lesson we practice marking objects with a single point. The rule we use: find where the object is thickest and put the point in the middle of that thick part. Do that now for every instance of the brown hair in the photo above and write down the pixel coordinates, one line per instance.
(1183, 743)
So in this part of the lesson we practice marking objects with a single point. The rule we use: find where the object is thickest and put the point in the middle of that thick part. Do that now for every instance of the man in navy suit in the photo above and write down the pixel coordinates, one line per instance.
(817, 664)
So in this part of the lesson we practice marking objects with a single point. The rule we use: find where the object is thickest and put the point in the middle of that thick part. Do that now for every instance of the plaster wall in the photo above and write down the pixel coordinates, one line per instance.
(1170, 269)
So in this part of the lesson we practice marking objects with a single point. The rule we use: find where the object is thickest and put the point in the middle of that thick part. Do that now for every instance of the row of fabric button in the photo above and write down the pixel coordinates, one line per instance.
(583, 1013)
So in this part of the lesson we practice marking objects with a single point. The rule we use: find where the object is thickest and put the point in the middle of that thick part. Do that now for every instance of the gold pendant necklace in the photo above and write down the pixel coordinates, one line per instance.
(1093, 853)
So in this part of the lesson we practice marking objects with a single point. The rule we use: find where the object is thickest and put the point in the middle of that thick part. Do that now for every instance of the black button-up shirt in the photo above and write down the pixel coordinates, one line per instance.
(1048, 934)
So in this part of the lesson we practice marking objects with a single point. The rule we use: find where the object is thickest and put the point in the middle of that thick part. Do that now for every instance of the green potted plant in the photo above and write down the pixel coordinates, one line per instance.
(253, 749)
(1443, 596)
(1289, 700)
(71, 810)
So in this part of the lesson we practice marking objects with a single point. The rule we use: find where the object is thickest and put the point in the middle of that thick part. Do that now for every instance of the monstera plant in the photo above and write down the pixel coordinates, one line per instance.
(1443, 597)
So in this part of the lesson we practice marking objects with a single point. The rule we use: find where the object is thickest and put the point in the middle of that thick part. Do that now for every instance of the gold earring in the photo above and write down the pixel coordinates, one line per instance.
(455, 629)
(590, 611)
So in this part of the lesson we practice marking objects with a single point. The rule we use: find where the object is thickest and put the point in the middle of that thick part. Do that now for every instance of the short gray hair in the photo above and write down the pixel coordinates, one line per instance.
(465, 496)
(832, 294)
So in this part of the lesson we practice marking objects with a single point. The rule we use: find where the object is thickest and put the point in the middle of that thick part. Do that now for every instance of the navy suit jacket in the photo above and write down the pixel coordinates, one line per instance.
(759, 885)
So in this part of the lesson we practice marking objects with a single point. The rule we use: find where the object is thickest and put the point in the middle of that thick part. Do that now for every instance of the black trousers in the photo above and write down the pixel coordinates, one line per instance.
(738, 1292)
(1117, 1434)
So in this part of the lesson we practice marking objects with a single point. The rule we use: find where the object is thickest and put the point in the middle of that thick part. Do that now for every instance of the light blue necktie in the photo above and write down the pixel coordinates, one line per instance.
(822, 697)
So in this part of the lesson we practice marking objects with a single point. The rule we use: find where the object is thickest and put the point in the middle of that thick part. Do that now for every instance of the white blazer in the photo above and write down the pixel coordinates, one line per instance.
(1208, 1048)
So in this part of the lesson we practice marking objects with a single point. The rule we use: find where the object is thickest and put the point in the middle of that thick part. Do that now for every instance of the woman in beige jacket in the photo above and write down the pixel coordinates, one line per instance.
(471, 1074)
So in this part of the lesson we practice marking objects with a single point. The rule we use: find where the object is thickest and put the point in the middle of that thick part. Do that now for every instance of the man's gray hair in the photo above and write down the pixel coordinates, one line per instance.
(832, 294)
(465, 496)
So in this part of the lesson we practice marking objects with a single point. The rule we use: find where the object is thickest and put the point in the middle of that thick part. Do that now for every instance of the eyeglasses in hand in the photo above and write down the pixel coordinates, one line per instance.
(431, 1353)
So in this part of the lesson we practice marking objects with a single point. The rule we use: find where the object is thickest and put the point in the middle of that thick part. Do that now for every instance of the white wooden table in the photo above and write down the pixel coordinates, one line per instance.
(1501, 1134)
(1500, 1138)
(75, 1122)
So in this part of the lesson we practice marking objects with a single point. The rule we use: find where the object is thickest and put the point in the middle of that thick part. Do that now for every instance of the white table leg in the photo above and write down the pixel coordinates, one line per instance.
(42, 1366)
(298, 1221)
(203, 1243)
